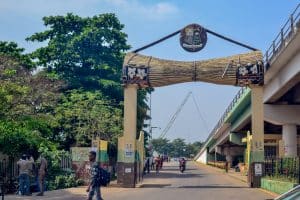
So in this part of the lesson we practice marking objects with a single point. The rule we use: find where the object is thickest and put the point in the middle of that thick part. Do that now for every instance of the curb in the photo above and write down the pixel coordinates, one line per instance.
(220, 170)
(268, 192)
(237, 178)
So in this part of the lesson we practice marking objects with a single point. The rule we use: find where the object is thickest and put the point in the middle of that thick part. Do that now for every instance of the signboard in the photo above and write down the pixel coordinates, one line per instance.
(80, 154)
(129, 153)
(250, 74)
(136, 75)
(127, 170)
(193, 38)
(258, 169)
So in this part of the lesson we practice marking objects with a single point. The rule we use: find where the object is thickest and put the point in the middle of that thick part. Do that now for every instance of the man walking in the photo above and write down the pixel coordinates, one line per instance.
(24, 167)
(94, 185)
(42, 174)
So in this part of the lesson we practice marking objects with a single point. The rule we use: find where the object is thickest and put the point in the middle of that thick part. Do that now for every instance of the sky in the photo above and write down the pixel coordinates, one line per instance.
(255, 22)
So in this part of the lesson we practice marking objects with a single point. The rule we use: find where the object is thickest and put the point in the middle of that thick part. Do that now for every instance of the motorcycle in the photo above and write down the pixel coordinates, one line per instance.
(182, 166)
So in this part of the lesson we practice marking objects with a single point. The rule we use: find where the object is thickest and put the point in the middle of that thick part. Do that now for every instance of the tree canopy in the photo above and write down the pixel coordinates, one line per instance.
(87, 52)
(176, 148)
(70, 89)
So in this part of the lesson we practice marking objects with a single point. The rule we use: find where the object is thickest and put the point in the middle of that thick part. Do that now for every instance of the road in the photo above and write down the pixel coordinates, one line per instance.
(197, 182)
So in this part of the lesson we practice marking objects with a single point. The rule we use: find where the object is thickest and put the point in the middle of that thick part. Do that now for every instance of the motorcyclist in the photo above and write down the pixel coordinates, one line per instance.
(182, 163)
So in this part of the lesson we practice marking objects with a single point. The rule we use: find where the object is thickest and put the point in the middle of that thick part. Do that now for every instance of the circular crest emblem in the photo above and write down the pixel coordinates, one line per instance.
(193, 38)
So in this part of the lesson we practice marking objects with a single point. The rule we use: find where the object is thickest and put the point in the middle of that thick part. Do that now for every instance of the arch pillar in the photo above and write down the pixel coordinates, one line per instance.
(126, 168)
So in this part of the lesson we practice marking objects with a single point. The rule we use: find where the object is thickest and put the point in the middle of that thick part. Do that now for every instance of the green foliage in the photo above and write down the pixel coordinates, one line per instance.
(84, 114)
(11, 49)
(25, 118)
(16, 139)
(284, 169)
(56, 177)
(76, 92)
(63, 181)
(24, 94)
(86, 51)
(176, 148)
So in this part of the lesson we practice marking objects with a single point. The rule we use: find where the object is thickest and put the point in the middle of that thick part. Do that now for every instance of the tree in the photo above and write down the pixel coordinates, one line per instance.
(25, 94)
(179, 146)
(160, 145)
(15, 138)
(11, 49)
(86, 52)
(176, 148)
(25, 102)
(84, 114)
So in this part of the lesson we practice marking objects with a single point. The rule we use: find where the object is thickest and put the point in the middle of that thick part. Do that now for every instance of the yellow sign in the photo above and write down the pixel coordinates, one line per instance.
(103, 145)
(100, 145)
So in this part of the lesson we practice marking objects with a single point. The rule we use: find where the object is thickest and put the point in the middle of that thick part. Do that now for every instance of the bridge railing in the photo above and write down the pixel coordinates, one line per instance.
(286, 33)
(227, 111)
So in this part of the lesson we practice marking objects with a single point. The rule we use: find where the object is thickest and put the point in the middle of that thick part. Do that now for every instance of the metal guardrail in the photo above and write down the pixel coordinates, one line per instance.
(228, 109)
(286, 34)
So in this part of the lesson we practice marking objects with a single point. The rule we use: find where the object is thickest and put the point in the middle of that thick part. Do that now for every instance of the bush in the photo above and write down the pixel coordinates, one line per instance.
(80, 182)
(63, 181)
(58, 178)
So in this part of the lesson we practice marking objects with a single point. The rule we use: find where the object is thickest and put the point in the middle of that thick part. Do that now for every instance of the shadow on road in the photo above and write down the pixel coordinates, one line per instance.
(168, 175)
(155, 185)
(211, 186)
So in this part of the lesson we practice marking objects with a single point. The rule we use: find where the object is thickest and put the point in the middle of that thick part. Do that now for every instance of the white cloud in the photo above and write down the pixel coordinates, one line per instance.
(156, 11)
(134, 8)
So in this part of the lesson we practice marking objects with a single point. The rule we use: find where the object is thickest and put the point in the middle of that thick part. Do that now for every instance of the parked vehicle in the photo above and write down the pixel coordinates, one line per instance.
(293, 194)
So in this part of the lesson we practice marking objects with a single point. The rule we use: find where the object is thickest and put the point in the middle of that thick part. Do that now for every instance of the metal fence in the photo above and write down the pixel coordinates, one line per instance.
(9, 172)
(287, 32)
(66, 162)
(8, 175)
(8, 169)
(283, 168)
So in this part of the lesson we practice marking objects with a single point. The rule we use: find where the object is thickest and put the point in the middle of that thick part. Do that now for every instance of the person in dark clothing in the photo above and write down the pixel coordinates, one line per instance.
(147, 165)
(43, 165)
(94, 185)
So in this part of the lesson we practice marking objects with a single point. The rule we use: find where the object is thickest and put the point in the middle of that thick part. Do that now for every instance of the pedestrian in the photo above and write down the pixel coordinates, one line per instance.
(152, 161)
(157, 164)
(23, 168)
(161, 162)
(147, 165)
(31, 173)
(226, 166)
(43, 164)
(94, 184)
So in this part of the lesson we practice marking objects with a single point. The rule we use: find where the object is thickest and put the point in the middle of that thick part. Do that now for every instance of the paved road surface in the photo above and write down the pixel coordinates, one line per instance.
(197, 182)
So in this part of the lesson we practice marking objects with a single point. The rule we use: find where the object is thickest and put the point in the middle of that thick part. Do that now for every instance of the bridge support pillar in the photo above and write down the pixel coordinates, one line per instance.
(256, 171)
(289, 136)
(127, 168)
(257, 123)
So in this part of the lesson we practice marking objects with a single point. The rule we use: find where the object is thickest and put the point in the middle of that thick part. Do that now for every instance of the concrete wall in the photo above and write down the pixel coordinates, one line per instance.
(203, 157)
(278, 187)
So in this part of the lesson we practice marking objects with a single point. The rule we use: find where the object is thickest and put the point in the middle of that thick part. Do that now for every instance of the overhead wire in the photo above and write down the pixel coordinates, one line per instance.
(174, 116)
